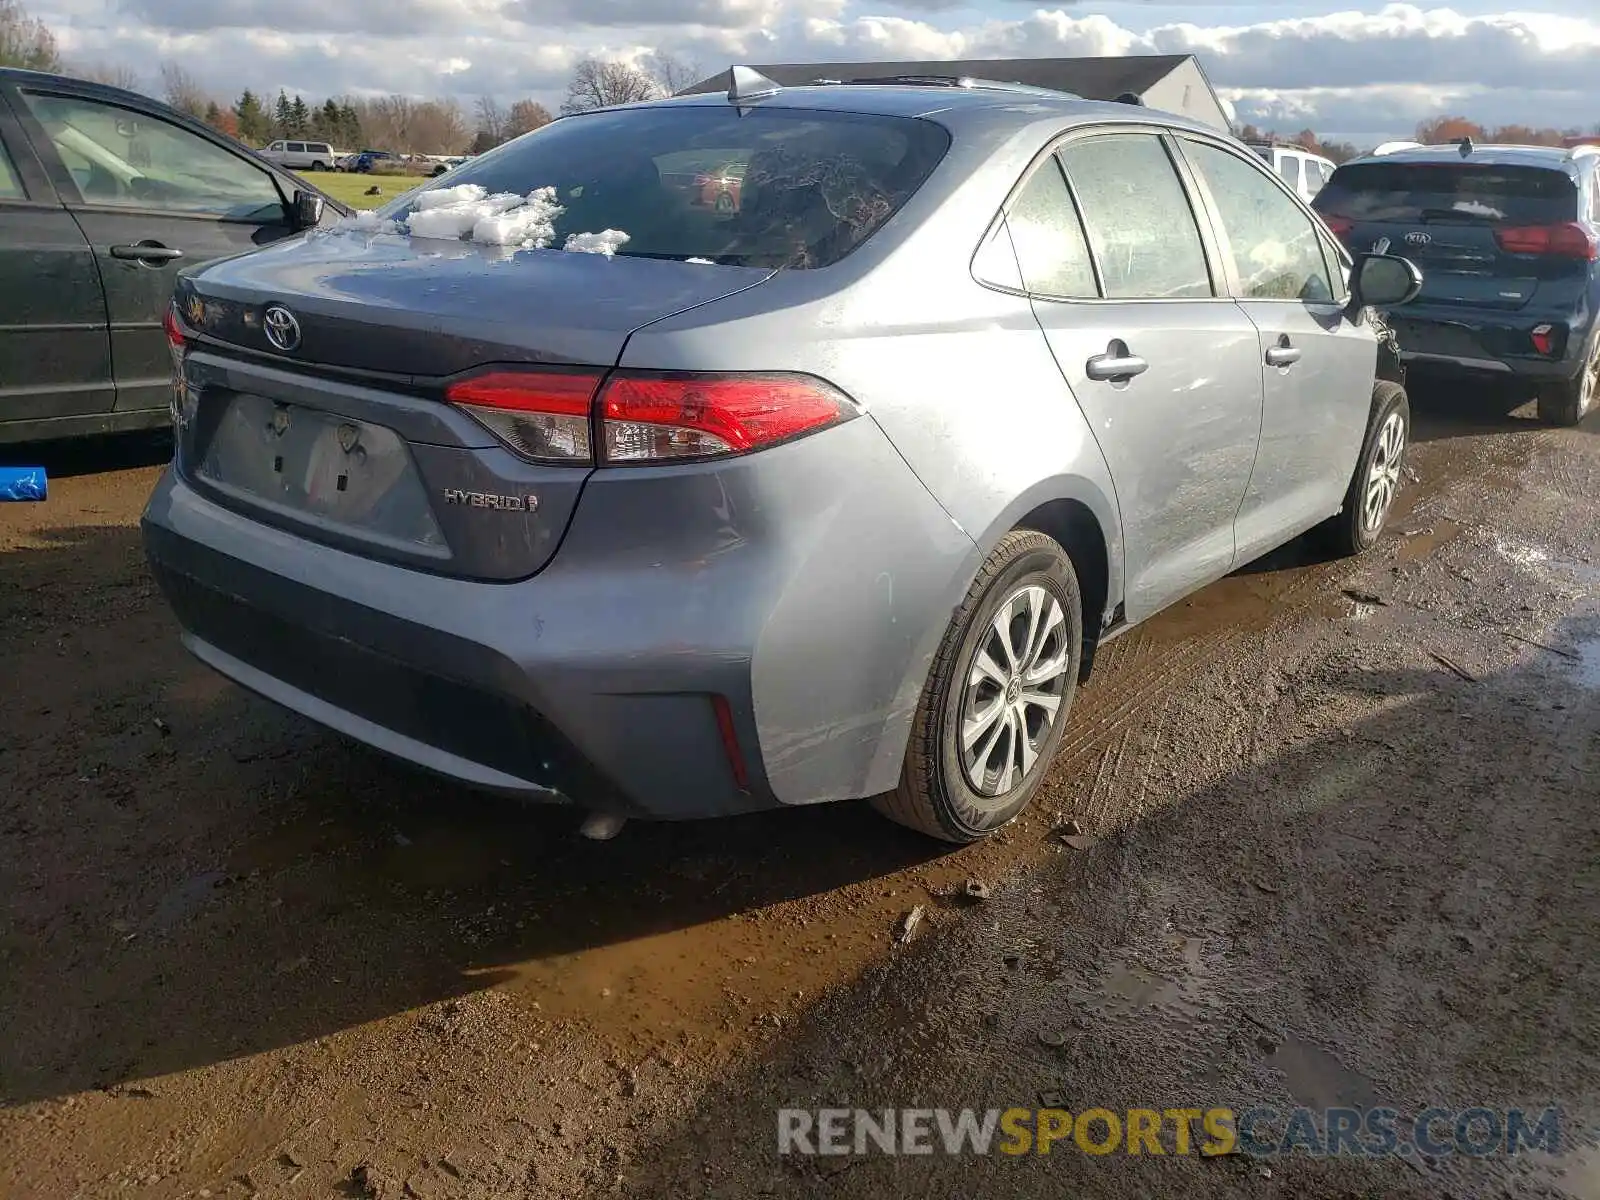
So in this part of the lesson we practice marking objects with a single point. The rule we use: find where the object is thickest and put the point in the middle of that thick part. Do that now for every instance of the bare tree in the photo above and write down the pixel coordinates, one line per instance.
(180, 90)
(491, 119)
(525, 117)
(26, 41)
(598, 82)
(437, 127)
(112, 75)
(674, 74)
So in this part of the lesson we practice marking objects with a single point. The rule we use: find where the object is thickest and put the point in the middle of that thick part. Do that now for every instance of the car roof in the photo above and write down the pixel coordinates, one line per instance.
(984, 105)
(1552, 158)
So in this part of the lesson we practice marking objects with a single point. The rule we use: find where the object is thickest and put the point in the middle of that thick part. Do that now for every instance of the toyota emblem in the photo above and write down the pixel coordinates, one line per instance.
(282, 329)
(1418, 238)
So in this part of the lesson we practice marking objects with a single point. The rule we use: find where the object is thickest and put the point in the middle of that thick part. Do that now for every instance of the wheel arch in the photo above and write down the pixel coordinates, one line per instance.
(1083, 519)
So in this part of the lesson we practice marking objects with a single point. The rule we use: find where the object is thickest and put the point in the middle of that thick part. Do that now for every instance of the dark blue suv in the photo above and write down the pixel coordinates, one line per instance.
(1508, 239)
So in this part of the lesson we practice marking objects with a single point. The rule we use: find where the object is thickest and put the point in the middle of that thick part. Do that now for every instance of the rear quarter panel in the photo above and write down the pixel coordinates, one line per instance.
(960, 379)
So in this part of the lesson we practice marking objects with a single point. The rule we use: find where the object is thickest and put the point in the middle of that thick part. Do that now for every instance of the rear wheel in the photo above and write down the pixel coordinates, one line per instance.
(1378, 475)
(1568, 402)
(995, 706)
(319, 166)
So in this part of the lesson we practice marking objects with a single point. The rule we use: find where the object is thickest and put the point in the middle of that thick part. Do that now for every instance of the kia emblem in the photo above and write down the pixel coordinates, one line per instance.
(1417, 238)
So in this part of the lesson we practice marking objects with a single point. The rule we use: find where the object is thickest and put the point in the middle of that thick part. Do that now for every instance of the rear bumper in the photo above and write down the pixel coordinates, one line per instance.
(806, 586)
(1490, 344)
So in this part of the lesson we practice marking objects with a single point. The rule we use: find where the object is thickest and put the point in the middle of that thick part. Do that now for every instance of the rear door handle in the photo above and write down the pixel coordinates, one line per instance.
(1283, 354)
(146, 253)
(1115, 367)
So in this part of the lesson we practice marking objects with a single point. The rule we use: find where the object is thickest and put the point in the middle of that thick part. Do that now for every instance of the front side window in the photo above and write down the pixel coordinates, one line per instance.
(1277, 253)
(762, 187)
(1139, 222)
(297, 148)
(1289, 170)
(10, 185)
(1051, 248)
(123, 158)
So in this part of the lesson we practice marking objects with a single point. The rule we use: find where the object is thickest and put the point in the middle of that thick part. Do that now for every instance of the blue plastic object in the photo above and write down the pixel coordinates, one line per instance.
(23, 483)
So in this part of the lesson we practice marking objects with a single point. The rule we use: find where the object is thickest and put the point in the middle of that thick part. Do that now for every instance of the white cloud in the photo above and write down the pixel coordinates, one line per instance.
(1378, 70)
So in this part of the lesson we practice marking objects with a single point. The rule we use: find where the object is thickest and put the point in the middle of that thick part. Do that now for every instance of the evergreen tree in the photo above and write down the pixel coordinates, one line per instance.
(350, 126)
(300, 117)
(327, 123)
(283, 116)
(255, 127)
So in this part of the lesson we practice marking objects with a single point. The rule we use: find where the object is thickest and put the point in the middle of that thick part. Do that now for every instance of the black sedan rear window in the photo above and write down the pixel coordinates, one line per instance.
(759, 187)
(1449, 192)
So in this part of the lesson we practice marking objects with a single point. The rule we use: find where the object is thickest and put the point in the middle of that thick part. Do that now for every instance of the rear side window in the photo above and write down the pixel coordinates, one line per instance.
(754, 187)
(1289, 169)
(1140, 225)
(1447, 192)
(1051, 248)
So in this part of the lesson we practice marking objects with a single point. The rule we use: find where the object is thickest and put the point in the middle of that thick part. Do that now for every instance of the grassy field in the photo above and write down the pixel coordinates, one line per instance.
(349, 188)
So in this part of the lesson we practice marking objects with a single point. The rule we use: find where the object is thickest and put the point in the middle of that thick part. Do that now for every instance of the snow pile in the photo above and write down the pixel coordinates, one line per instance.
(444, 197)
(606, 242)
(458, 217)
(367, 221)
(531, 223)
(528, 222)
(702, 262)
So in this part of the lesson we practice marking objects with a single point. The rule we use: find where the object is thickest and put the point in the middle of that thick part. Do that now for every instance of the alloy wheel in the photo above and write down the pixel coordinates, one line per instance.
(1013, 691)
(1383, 477)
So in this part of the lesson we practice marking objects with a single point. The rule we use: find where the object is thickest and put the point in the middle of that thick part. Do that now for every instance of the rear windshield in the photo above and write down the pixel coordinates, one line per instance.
(757, 187)
(1449, 192)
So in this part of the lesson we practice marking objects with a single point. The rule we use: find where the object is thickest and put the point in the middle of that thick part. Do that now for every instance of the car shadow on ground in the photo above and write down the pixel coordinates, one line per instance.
(1444, 408)
(1275, 938)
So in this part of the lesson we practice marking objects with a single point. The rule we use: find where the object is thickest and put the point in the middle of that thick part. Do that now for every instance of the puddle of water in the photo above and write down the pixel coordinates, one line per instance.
(1424, 538)
(1317, 1079)
(1128, 988)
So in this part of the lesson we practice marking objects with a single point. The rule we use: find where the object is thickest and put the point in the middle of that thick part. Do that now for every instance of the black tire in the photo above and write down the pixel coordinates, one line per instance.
(316, 166)
(934, 795)
(1568, 402)
(1350, 531)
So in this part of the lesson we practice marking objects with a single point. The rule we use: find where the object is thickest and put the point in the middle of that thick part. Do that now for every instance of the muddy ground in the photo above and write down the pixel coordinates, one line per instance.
(1341, 845)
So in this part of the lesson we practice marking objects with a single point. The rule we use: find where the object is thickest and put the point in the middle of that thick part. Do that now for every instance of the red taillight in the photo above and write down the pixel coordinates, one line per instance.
(177, 339)
(1568, 240)
(657, 418)
(646, 417)
(1543, 338)
(542, 415)
(1341, 226)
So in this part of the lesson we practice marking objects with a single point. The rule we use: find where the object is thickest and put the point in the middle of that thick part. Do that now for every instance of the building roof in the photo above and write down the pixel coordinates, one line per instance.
(1091, 78)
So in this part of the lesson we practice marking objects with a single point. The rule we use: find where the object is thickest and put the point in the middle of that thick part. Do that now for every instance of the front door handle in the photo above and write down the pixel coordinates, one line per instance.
(147, 252)
(1283, 354)
(1115, 368)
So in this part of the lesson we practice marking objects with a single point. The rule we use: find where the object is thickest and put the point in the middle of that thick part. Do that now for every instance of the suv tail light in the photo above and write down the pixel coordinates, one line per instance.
(1341, 226)
(646, 416)
(1568, 240)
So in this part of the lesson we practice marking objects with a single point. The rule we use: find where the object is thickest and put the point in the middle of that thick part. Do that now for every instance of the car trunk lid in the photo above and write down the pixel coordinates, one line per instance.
(340, 430)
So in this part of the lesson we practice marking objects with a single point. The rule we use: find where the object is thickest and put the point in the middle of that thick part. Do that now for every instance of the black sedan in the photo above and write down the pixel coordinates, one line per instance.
(104, 195)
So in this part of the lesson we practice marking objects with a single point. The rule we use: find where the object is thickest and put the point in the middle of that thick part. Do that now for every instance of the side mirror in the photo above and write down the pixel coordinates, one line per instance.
(1383, 281)
(307, 210)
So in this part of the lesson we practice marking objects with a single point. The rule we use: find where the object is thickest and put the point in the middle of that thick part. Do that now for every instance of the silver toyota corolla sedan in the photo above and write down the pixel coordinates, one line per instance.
(761, 449)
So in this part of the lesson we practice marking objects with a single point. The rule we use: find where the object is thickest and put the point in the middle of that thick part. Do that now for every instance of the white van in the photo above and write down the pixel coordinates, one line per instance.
(1300, 169)
(303, 156)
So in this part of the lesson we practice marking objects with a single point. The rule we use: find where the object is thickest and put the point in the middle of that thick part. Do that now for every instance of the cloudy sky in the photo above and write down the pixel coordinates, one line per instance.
(1362, 73)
